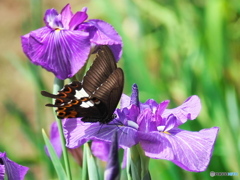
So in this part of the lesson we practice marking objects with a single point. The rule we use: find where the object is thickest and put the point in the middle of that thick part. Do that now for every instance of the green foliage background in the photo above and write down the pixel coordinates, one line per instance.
(172, 50)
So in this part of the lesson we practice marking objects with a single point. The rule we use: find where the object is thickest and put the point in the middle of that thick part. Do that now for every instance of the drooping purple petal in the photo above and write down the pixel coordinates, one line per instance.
(100, 149)
(74, 130)
(77, 133)
(189, 110)
(66, 16)
(191, 151)
(13, 170)
(102, 33)
(61, 52)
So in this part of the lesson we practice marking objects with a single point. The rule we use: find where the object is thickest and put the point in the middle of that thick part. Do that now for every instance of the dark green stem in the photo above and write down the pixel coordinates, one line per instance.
(58, 84)
(139, 164)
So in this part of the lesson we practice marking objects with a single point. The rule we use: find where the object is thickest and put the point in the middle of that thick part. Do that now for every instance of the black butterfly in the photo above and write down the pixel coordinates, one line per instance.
(96, 97)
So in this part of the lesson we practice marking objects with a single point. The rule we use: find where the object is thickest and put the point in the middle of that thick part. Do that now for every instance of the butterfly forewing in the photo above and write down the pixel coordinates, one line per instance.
(102, 67)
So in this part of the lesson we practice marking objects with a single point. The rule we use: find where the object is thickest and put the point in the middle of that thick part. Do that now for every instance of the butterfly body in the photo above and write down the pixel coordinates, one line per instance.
(94, 98)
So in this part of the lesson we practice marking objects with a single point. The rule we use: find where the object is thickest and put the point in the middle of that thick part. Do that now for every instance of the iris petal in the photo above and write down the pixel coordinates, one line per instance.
(125, 101)
(66, 16)
(61, 52)
(189, 110)
(77, 133)
(146, 121)
(149, 104)
(189, 150)
(100, 149)
(77, 19)
(170, 123)
(156, 145)
(102, 33)
(13, 170)
(50, 16)
(161, 107)
(2, 171)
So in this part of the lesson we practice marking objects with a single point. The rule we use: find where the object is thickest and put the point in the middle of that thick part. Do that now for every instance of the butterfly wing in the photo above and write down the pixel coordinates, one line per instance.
(102, 67)
(104, 81)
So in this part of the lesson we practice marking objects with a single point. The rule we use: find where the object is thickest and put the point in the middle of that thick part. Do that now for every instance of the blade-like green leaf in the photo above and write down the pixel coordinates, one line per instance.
(55, 160)
(84, 168)
(91, 165)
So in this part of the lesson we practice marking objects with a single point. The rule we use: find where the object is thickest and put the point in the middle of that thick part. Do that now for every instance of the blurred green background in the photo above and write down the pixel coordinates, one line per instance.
(172, 50)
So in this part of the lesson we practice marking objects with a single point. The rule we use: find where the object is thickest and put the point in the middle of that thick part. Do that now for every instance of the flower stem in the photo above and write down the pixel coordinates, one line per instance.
(139, 163)
(58, 84)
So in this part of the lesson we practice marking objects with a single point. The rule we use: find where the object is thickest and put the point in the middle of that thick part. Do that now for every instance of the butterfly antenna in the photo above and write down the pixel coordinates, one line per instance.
(120, 124)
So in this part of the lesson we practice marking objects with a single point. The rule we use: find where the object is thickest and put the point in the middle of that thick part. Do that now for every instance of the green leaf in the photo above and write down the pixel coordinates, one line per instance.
(84, 168)
(91, 164)
(55, 160)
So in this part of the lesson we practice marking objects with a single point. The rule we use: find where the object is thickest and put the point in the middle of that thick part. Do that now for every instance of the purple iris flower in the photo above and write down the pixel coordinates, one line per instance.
(12, 170)
(64, 44)
(156, 129)
(162, 139)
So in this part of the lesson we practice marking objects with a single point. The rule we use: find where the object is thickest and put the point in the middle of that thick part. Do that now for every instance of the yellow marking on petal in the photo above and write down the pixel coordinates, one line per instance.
(57, 29)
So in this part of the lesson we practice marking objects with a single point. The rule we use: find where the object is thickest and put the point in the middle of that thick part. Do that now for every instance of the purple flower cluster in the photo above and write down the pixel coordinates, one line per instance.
(65, 43)
(154, 127)
(10, 169)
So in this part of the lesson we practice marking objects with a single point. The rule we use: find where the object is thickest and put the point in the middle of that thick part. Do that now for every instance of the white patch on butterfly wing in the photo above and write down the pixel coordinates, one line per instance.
(80, 94)
(87, 104)
(90, 103)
